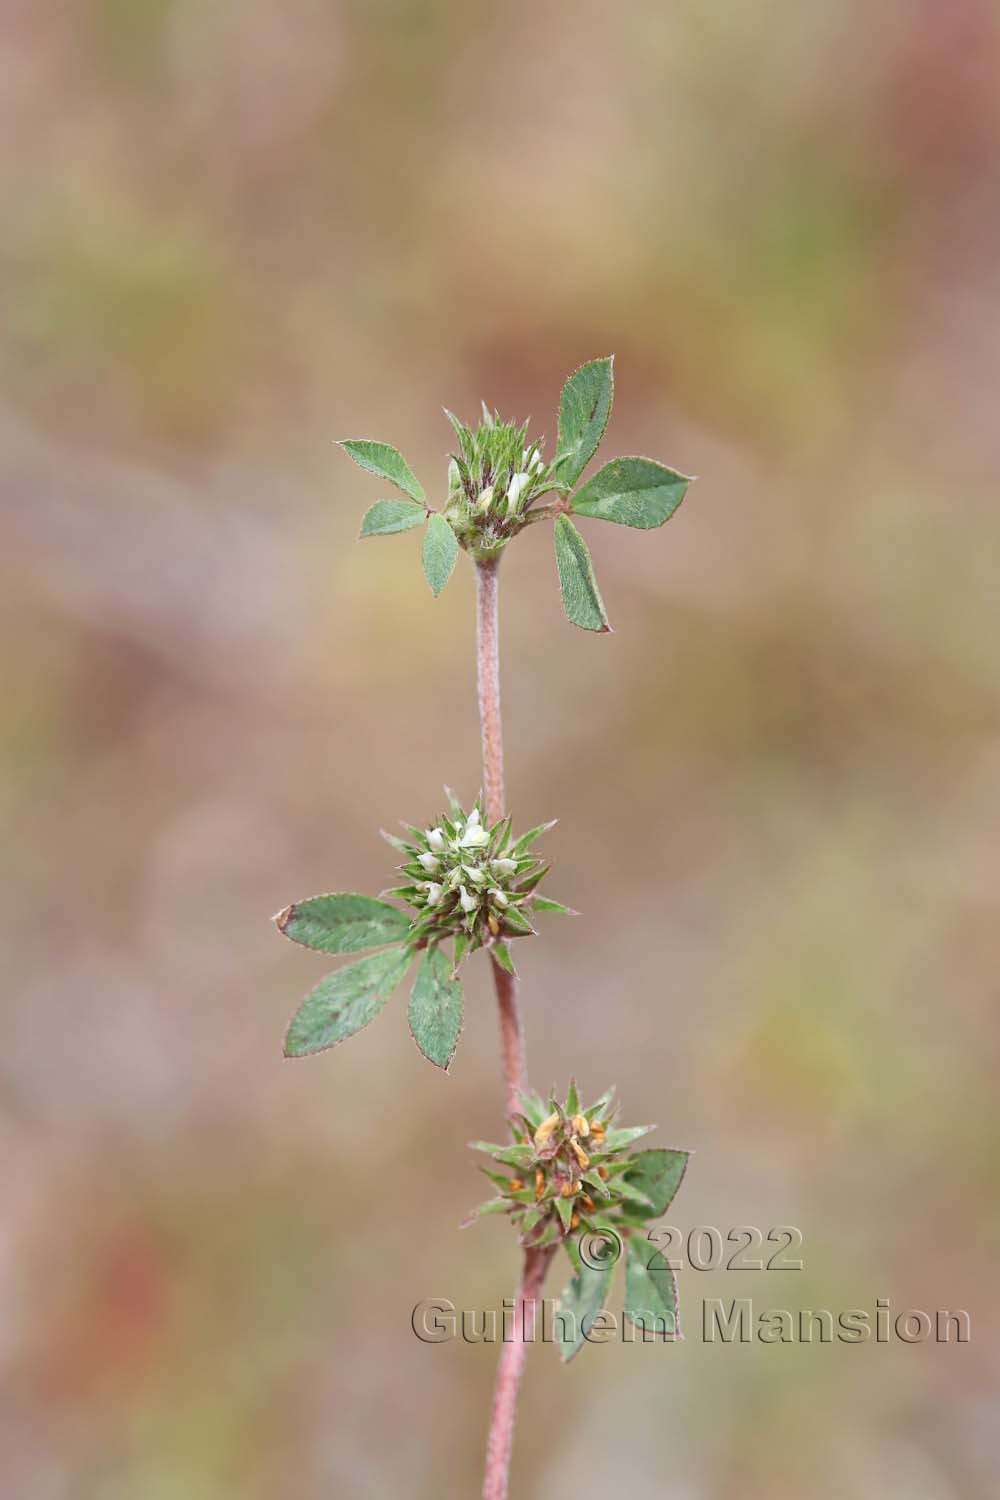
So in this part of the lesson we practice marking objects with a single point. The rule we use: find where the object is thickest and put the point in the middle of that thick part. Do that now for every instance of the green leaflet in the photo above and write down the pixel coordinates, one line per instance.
(387, 462)
(439, 552)
(501, 954)
(527, 839)
(581, 1301)
(388, 516)
(343, 923)
(545, 903)
(580, 595)
(650, 1288)
(595, 1181)
(436, 1009)
(633, 492)
(617, 1140)
(534, 1109)
(634, 1201)
(345, 1001)
(657, 1174)
(516, 924)
(564, 1208)
(572, 1248)
(584, 408)
(491, 1206)
(511, 1156)
(601, 1106)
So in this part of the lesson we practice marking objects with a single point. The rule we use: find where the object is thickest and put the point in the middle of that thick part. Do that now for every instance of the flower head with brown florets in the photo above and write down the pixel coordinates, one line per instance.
(573, 1180)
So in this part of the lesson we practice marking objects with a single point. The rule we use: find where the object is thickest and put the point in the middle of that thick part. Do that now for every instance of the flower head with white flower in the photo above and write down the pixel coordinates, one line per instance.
(493, 482)
(471, 882)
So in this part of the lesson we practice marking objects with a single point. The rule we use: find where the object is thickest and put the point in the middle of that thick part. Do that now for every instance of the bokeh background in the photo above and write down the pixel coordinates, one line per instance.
(235, 232)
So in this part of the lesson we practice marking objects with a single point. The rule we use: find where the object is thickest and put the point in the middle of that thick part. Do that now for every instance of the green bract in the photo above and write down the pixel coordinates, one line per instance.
(498, 475)
(573, 1180)
(466, 883)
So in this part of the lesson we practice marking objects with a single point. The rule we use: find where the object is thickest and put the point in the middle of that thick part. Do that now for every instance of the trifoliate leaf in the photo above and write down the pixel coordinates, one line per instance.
(582, 1301)
(633, 492)
(439, 552)
(436, 1009)
(657, 1174)
(580, 595)
(650, 1288)
(345, 1001)
(584, 408)
(342, 923)
(388, 516)
(387, 462)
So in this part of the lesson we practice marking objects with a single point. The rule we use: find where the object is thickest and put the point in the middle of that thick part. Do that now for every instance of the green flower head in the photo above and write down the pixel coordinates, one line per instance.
(471, 881)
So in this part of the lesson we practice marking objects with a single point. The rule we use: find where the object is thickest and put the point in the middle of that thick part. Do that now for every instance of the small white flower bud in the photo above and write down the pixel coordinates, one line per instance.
(435, 839)
(518, 484)
(476, 876)
(486, 498)
(454, 475)
(473, 818)
(499, 899)
(474, 838)
(430, 862)
(504, 866)
(469, 903)
(537, 461)
(433, 892)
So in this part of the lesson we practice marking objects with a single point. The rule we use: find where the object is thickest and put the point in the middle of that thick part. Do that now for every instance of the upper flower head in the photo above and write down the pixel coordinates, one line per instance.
(493, 481)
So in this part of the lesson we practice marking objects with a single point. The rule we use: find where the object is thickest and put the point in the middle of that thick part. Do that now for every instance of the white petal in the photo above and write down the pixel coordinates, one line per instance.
(430, 862)
(518, 484)
(474, 838)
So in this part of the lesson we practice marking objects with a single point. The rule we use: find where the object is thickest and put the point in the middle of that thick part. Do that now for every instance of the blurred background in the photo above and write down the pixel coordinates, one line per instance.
(236, 232)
